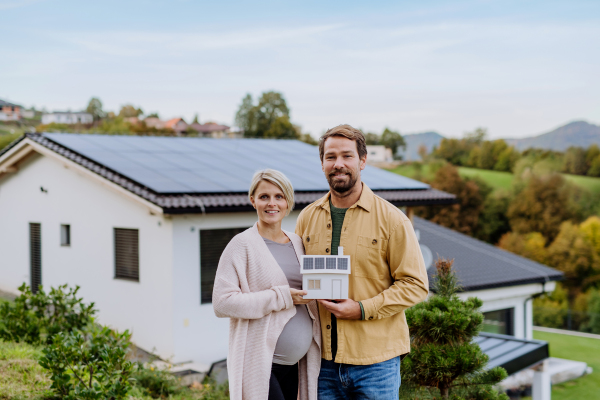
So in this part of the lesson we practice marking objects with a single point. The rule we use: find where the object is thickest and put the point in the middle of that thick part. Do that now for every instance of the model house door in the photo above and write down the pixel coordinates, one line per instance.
(336, 292)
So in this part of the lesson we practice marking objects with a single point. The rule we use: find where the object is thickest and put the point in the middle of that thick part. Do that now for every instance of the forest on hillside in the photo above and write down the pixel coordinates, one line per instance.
(537, 213)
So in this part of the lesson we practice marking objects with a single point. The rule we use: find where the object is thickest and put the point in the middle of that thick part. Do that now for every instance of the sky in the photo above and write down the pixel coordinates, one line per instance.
(517, 68)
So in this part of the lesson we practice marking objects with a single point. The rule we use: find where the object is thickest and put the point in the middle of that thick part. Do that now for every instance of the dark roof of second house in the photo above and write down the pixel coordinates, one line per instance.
(480, 265)
(192, 175)
(511, 353)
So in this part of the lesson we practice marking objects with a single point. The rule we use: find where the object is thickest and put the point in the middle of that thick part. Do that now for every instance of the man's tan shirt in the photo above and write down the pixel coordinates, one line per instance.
(388, 275)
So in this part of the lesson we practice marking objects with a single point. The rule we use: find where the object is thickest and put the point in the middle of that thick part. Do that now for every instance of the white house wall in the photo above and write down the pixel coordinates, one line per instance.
(198, 334)
(92, 210)
(513, 297)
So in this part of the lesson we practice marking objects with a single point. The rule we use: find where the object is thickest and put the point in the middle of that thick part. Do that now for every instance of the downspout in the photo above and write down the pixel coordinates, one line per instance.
(525, 307)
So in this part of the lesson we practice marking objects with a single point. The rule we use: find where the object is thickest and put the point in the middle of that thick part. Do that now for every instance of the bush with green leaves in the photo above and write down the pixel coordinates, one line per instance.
(90, 364)
(156, 382)
(37, 317)
(444, 362)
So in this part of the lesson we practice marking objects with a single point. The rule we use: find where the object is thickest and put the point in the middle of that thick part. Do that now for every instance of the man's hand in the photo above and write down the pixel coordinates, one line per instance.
(343, 309)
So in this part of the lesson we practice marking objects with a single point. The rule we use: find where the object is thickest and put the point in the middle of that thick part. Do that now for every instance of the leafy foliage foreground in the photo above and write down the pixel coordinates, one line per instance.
(444, 362)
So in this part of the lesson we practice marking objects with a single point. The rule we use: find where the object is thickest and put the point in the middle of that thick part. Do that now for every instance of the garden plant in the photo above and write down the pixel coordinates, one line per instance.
(444, 362)
(37, 317)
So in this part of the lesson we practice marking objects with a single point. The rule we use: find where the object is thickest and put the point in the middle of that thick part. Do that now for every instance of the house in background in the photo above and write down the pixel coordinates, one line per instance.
(140, 223)
(67, 117)
(214, 130)
(379, 154)
(178, 125)
(506, 282)
(10, 111)
(154, 122)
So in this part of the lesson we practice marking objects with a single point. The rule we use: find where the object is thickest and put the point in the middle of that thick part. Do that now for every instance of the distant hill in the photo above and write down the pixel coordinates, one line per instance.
(577, 133)
(415, 140)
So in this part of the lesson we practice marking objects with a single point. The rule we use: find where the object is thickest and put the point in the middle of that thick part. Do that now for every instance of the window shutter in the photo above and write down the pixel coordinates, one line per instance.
(35, 255)
(212, 244)
(127, 254)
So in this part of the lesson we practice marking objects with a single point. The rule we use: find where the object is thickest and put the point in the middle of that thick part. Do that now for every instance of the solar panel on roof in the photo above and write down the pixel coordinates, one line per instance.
(320, 263)
(226, 164)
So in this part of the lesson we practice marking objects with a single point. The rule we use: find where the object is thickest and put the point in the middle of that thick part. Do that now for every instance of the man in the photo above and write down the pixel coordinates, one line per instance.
(362, 337)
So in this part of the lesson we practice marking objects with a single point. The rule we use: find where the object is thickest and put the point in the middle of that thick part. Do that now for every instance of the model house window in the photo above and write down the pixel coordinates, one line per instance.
(314, 284)
(212, 244)
(65, 235)
(500, 321)
(35, 255)
(127, 254)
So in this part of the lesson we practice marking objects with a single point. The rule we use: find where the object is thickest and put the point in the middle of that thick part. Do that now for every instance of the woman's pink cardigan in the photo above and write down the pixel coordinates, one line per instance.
(252, 290)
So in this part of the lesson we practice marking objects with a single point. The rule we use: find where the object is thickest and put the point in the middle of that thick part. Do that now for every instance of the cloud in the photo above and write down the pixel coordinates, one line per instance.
(10, 4)
(139, 43)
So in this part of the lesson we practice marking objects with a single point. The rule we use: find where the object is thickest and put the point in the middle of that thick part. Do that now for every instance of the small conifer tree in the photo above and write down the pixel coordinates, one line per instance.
(444, 362)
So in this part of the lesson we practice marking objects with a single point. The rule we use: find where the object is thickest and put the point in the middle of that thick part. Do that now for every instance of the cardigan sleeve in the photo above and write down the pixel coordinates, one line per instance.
(228, 299)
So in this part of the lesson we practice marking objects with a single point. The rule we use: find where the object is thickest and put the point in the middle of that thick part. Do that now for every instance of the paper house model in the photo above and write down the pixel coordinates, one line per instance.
(326, 277)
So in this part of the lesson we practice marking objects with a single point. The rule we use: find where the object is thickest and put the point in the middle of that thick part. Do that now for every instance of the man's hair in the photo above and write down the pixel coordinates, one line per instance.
(349, 133)
(278, 179)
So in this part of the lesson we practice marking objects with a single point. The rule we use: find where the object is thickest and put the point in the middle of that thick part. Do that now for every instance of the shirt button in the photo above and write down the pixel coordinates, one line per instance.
(370, 317)
(308, 238)
(329, 225)
(328, 326)
(327, 250)
(374, 241)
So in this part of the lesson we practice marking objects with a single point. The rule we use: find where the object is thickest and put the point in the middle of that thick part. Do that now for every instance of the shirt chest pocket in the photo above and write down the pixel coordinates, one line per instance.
(370, 258)
(311, 243)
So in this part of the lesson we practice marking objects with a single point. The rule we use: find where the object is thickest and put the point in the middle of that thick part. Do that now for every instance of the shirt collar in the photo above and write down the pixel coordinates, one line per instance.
(365, 201)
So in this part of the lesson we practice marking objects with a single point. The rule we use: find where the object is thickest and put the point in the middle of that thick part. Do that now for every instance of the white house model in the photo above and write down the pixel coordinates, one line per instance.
(326, 277)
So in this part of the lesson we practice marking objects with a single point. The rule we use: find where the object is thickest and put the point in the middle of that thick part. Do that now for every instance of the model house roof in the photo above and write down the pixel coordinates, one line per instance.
(320, 264)
(480, 265)
(187, 175)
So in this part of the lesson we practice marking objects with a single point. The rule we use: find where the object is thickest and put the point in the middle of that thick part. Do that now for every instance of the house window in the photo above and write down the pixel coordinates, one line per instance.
(35, 255)
(65, 235)
(127, 254)
(314, 284)
(212, 244)
(500, 321)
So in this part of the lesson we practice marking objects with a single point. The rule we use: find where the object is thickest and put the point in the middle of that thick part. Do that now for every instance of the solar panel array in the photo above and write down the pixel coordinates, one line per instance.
(310, 263)
(206, 165)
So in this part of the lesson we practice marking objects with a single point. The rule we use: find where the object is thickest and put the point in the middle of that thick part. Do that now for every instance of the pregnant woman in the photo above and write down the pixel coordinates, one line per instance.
(274, 334)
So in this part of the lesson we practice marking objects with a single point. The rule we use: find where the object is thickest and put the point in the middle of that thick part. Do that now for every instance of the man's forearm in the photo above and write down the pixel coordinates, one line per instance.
(401, 295)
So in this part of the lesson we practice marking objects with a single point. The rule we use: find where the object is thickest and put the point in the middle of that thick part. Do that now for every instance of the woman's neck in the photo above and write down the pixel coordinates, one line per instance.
(272, 232)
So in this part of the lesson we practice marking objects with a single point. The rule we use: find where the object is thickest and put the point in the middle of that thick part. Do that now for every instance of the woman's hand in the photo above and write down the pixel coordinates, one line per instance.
(297, 296)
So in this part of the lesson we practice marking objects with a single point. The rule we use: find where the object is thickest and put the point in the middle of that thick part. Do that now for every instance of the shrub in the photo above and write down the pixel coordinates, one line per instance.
(156, 383)
(89, 365)
(444, 361)
(35, 318)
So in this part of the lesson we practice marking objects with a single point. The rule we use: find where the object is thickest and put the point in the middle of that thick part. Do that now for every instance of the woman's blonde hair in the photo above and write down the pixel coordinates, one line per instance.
(278, 179)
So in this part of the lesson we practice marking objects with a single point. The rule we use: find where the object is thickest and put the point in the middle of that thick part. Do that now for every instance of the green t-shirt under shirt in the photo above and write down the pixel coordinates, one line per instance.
(337, 220)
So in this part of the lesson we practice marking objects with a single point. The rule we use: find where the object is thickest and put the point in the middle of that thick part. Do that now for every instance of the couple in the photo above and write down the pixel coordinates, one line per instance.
(284, 347)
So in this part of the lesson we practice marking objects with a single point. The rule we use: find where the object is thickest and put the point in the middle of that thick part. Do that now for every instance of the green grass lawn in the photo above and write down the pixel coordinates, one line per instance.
(592, 184)
(496, 179)
(21, 377)
(578, 349)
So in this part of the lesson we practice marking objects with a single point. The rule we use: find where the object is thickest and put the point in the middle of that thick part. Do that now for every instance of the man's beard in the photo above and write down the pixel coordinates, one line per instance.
(341, 186)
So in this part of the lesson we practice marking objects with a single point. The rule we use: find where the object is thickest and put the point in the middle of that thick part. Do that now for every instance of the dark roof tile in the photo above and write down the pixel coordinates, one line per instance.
(480, 265)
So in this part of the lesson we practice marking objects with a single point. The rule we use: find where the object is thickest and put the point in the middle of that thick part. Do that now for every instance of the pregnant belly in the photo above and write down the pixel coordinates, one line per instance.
(295, 339)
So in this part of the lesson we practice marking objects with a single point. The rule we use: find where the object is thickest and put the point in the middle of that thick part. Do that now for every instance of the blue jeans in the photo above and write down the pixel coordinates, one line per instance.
(379, 381)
